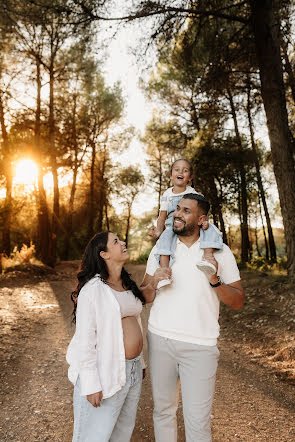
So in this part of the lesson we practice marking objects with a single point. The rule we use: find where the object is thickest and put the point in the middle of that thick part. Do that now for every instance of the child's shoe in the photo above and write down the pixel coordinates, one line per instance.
(206, 267)
(163, 283)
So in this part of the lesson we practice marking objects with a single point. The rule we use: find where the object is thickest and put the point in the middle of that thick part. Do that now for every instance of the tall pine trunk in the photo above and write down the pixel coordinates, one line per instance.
(267, 42)
(54, 171)
(272, 246)
(128, 223)
(44, 228)
(75, 166)
(160, 183)
(91, 208)
(263, 229)
(244, 202)
(6, 235)
(101, 200)
(289, 70)
(69, 217)
(220, 214)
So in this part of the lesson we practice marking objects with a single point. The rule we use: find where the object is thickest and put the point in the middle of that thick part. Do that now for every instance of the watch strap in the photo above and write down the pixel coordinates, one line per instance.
(217, 284)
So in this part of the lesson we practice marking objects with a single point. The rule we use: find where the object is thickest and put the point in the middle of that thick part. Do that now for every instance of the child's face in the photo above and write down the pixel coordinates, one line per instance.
(181, 173)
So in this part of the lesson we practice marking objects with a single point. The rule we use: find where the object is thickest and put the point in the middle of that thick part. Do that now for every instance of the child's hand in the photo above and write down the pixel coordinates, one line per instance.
(154, 233)
(205, 225)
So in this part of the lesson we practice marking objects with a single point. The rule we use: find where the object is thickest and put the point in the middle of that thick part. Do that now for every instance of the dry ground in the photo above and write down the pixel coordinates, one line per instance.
(254, 398)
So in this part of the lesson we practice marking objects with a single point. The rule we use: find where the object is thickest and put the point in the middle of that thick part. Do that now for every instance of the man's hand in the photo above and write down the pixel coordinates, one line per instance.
(232, 294)
(95, 398)
(155, 233)
(213, 261)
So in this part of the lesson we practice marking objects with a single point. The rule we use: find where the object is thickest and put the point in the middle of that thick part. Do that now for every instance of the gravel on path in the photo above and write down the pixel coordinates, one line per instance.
(252, 403)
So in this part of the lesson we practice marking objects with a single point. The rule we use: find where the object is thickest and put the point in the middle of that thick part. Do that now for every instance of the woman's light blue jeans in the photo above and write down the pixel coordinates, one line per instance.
(114, 420)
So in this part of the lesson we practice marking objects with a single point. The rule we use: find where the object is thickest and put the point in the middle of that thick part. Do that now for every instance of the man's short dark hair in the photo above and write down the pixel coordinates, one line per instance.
(202, 202)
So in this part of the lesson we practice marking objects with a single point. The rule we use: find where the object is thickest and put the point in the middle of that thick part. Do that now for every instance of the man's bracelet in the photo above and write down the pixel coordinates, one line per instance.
(217, 284)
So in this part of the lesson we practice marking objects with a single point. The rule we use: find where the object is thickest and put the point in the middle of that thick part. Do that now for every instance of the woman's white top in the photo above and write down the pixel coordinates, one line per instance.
(129, 305)
(96, 352)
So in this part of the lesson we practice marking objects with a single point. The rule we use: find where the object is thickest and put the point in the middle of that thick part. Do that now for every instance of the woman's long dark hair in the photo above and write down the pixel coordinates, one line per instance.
(92, 263)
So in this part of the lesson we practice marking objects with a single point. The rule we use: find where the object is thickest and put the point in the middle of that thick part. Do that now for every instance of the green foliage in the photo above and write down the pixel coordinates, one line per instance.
(263, 265)
(142, 259)
(217, 160)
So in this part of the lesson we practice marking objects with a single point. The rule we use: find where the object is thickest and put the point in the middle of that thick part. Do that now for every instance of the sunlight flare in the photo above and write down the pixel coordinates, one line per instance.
(26, 172)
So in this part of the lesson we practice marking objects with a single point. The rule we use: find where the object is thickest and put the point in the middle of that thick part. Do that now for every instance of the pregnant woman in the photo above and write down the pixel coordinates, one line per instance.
(105, 354)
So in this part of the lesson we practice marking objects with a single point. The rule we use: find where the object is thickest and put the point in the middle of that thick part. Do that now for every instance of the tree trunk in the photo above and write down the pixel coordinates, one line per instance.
(101, 191)
(69, 218)
(244, 203)
(6, 240)
(128, 224)
(289, 70)
(6, 236)
(160, 183)
(219, 211)
(272, 246)
(44, 228)
(256, 242)
(53, 164)
(250, 244)
(75, 167)
(107, 216)
(267, 42)
(263, 229)
(214, 215)
(91, 213)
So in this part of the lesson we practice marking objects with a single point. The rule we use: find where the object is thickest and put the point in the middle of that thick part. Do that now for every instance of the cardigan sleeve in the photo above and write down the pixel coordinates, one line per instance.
(86, 328)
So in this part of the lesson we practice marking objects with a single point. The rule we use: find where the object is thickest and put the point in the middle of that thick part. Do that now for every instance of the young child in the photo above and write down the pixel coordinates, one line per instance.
(210, 236)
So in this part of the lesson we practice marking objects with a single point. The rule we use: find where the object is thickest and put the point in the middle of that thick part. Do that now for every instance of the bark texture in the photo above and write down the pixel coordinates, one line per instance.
(266, 32)
(272, 246)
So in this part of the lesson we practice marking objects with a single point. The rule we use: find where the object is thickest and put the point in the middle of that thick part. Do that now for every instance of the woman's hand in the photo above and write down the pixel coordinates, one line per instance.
(95, 398)
(149, 284)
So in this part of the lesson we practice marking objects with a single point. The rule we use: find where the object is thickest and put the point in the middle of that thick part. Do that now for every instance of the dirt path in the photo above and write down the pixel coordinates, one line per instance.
(254, 397)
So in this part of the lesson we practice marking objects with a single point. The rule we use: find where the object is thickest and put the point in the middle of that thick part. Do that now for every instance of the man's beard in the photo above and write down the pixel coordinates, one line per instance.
(186, 230)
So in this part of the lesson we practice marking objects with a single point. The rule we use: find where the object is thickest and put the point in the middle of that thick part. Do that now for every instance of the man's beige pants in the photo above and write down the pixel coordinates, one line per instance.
(195, 366)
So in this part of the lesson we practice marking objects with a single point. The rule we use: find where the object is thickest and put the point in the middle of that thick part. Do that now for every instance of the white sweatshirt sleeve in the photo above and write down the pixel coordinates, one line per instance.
(86, 328)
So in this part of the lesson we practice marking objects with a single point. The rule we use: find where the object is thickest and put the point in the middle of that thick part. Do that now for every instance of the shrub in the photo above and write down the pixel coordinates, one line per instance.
(18, 257)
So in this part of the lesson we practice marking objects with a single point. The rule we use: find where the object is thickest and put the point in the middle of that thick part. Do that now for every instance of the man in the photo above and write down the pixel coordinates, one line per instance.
(183, 326)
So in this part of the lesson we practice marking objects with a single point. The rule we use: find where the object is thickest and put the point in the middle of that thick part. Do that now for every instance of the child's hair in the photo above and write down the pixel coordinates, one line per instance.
(183, 159)
(189, 164)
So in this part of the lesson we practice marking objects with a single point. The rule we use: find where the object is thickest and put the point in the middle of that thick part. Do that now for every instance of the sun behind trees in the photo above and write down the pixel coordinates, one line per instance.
(211, 86)
(56, 112)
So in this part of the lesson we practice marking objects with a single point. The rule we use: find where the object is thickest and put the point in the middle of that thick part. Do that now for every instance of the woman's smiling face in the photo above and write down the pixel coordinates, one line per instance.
(116, 249)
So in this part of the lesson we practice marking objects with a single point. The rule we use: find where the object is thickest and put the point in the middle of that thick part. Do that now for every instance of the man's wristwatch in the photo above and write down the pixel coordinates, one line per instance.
(217, 284)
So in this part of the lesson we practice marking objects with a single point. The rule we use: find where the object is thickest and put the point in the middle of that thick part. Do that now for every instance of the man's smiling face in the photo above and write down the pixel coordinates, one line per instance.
(186, 218)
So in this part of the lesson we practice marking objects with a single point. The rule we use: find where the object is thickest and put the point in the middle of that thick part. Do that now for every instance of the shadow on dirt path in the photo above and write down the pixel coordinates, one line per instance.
(251, 402)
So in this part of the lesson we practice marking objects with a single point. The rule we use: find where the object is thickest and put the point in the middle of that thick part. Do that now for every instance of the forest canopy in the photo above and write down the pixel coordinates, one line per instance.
(222, 85)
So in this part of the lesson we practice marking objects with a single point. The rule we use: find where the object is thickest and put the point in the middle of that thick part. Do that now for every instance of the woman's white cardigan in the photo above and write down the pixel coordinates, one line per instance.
(96, 352)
